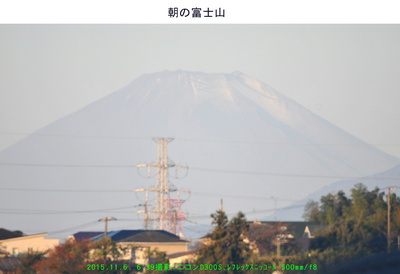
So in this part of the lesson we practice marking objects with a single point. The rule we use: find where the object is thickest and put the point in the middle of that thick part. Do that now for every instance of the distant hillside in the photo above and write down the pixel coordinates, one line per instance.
(382, 180)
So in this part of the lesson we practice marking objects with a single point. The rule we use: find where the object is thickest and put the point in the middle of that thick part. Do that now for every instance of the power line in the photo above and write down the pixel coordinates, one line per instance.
(194, 140)
(291, 175)
(46, 211)
(189, 220)
(74, 136)
(209, 170)
(66, 165)
(125, 191)
(66, 190)
(248, 212)
(83, 225)
(209, 194)
(242, 196)
(72, 228)
(282, 143)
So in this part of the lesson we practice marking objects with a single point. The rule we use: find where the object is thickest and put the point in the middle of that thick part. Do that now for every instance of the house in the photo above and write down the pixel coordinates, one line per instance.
(18, 245)
(293, 232)
(309, 231)
(139, 242)
(176, 259)
(84, 235)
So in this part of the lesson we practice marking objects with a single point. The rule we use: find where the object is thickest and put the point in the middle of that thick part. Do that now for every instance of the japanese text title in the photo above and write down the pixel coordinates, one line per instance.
(195, 12)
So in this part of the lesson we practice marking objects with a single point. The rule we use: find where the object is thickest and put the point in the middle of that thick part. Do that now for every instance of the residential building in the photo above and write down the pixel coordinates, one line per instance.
(309, 231)
(18, 245)
(176, 259)
(139, 242)
(293, 232)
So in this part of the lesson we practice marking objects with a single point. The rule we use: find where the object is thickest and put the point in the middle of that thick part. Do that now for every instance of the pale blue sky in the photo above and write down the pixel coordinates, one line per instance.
(347, 74)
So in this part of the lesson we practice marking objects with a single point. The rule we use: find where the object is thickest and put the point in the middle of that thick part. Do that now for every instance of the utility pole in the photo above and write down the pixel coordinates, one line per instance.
(105, 220)
(278, 247)
(275, 202)
(398, 243)
(388, 219)
(165, 213)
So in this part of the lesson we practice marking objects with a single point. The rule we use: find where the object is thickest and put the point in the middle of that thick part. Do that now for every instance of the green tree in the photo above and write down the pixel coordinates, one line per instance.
(238, 249)
(74, 256)
(226, 243)
(156, 257)
(106, 252)
(29, 259)
(311, 211)
(355, 226)
(213, 252)
(106, 249)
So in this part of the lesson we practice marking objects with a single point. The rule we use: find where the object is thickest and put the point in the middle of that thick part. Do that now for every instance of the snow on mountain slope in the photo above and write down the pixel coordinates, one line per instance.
(223, 124)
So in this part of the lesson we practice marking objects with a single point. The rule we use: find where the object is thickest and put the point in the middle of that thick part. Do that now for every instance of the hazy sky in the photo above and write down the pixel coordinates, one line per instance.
(347, 74)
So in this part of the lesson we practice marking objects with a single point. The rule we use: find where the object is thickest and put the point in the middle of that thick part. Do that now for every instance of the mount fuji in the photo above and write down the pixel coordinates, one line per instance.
(242, 140)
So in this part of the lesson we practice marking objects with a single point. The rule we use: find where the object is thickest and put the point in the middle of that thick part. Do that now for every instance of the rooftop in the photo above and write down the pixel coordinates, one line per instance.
(132, 236)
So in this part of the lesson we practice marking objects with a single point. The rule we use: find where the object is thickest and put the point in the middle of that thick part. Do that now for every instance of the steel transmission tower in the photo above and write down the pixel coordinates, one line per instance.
(165, 213)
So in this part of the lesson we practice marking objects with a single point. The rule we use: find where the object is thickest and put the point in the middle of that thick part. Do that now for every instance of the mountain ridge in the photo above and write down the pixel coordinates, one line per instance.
(259, 130)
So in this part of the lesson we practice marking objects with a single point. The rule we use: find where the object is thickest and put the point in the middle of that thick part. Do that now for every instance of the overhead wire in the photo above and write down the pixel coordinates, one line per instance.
(21, 211)
(67, 165)
(210, 194)
(209, 170)
(72, 228)
(193, 216)
(292, 175)
(135, 220)
(46, 211)
(73, 136)
(81, 226)
(192, 139)
(65, 190)
(191, 168)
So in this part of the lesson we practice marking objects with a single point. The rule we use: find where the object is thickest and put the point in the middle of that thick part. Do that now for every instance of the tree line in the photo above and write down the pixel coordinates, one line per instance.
(352, 235)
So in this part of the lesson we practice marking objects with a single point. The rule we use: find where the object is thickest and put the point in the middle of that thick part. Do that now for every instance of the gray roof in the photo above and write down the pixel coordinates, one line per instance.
(180, 254)
(9, 264)
(151, 236)
(296, 228)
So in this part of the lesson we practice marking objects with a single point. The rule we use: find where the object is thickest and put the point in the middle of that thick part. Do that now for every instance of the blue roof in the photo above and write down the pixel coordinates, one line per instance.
(86, 235)
(137, 236)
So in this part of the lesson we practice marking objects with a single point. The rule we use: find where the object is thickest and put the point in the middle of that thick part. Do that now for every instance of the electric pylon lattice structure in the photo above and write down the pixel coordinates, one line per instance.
(165, 213)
